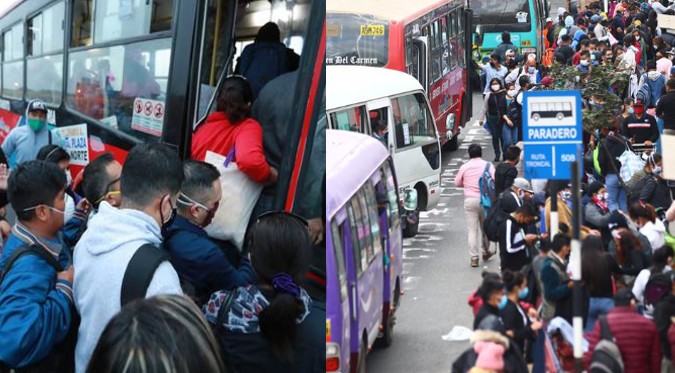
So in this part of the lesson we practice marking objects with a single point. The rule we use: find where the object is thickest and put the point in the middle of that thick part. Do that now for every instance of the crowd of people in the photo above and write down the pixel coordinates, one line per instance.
(117, 273)
(626, 204)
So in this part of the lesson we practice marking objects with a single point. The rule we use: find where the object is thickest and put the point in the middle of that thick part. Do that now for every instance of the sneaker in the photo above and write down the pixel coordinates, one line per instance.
(496, 159)
(474, 261)
(487, 256)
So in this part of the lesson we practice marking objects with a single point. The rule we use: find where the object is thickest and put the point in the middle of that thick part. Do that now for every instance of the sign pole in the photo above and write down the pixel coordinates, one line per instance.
(575, 265)
(553, 185)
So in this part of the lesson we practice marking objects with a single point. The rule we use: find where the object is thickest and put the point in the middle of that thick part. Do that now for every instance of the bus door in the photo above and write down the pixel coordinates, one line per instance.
(420, 51)
(468, 50)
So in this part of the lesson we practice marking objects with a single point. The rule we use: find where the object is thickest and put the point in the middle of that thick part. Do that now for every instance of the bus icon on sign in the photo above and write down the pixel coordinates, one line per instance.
(558, 110)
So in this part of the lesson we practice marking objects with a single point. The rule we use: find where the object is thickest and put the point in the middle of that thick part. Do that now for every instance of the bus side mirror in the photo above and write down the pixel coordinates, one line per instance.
(410, 199)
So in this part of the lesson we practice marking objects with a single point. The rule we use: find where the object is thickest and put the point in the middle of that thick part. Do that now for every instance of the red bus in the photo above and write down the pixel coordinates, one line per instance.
(428, 39)
(115, 73)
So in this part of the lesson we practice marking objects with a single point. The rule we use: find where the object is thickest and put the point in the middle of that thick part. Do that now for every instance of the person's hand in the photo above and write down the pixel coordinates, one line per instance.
(570, 284)
(632, 140)
(533, 313)
(536, 325)
(272, 179)
(529, 238)
(67, 275)
(544, 235)
(594, 232)
(480, 122)
(591, 145)
(510, 333)
(509, 122)
(83, 206)
(4, 175)
(5, 228)
(648, 143)
(315, 227)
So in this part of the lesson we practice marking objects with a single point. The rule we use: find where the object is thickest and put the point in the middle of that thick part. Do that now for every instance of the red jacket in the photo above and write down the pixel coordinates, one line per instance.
(218, 135)
(637, 338)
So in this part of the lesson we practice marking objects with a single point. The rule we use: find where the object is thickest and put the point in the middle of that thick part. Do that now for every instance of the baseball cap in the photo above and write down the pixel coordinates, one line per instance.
(510, 52)
(549, 19)
(37, 105)
(523, 184)
(595, 19)
(671, 51)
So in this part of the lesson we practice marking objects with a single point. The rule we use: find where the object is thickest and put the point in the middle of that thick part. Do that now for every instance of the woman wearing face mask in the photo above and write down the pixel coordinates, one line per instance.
(655, 190)
(495, 108)
(511, 92)
(597, 269)
(492, 292)
(516, 321)
(596, 211)
(648, 224)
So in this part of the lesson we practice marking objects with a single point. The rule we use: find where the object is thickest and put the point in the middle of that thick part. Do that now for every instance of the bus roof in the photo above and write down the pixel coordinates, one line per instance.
(351, 158)
(348, 85)
(394, 10)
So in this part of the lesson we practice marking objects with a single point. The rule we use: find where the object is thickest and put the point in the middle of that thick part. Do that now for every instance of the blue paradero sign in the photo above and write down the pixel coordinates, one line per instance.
(552, 133)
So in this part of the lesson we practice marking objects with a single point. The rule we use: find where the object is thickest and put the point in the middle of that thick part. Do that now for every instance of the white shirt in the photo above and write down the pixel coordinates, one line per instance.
(655, 233)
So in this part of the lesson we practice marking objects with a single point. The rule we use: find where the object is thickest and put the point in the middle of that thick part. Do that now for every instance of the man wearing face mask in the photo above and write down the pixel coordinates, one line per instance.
(558, 286)
(201, 262)
(655, 190)
(150, 183)
(24, 142)
(640, 128)
(494, 70)
(665, 109)
(513, 241)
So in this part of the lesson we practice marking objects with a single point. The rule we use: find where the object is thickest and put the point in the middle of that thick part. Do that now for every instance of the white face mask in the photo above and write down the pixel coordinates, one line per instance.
(583, 62)
(495, 87)
(531, 70)
(512, 93)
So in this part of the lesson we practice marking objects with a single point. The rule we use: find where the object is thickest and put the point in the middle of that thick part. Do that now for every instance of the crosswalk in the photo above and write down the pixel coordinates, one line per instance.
(434, 222)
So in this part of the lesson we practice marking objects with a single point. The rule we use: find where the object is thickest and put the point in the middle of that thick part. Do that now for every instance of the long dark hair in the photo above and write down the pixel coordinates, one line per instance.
(280, 244)
(595, 269)
(236, 98)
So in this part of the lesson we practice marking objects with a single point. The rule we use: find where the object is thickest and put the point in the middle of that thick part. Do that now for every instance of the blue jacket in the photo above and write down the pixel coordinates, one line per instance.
(35, 308)
(200, 262)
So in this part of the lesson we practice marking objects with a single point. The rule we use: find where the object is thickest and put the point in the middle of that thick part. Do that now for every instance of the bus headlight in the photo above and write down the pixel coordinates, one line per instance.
(449, 125)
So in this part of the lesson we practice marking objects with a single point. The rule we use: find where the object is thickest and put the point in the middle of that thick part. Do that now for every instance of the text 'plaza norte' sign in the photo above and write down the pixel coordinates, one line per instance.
(552, 133)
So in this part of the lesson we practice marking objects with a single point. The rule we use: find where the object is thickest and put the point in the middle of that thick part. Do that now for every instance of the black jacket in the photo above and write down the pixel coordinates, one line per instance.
(513, 320)
(513, 356)
(505, 174)
(615, 146)
(640, 129)
(513, 251)
(483, 312)
(664, 311)
(656, 192)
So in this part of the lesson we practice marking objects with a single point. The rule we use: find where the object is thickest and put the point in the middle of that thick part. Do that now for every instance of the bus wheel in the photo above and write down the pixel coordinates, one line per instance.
(363, 350)
(412, 223)
(535, 116)
(560, 116)
(452, 144)
(387, 333)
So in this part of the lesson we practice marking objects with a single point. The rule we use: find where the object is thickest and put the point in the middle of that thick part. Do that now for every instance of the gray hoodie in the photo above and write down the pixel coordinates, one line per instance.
(101, 258)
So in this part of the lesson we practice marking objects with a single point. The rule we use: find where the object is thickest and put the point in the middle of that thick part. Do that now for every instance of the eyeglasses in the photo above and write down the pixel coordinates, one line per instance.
(109, 192)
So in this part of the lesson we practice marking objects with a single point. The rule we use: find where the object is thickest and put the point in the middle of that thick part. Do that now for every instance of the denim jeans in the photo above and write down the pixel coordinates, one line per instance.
(496, 130)
(597, 308)
(509, 136)
(617, 195)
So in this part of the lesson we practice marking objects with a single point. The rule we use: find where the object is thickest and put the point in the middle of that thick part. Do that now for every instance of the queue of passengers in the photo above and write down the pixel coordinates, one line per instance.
(131, 281)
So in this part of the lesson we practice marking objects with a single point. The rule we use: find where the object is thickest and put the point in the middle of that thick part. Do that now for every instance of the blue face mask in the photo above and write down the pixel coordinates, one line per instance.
(503, 302)
(630, 110)
(524, 293)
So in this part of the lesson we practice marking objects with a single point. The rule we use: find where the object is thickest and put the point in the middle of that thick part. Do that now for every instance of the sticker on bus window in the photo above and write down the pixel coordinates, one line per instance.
(110, 121)
(372, 30)
(148, 116)
(73, 139)
(406, 133)
(522, 17)
(332, 30)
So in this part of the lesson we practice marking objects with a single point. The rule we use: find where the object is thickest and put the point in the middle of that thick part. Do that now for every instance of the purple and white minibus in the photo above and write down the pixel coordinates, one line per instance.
(363, 248)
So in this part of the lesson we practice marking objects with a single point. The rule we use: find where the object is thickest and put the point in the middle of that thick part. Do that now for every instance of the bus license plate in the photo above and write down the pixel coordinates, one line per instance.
(372, 30)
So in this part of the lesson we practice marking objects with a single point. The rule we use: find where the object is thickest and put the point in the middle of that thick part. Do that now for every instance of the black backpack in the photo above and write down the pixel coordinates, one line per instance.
(515, 111)
(62, 356)
(139, 272)
(495, 216)
(606, 355)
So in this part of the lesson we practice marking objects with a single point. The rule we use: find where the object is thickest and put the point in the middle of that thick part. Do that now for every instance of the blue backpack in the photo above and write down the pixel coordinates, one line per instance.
(261, 62)
(487, 189)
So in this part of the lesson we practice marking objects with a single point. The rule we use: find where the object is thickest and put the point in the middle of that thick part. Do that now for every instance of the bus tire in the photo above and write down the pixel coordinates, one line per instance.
(560, 116)
(387, 332)
(411, 228)
(452, 144)
(535, 117)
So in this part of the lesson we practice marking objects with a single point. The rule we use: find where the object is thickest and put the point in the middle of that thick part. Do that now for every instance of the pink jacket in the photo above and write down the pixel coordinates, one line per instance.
(469, 175)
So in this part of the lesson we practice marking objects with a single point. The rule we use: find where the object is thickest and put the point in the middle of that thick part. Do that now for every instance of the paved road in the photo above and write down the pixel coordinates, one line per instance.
(438, 278)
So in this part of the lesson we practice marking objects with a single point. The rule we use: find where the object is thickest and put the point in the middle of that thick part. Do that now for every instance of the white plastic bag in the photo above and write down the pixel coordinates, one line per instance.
(458, 333)
(239, 197)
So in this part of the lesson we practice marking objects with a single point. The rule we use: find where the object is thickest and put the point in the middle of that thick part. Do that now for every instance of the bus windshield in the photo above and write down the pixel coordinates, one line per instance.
(494, 12)
(356, 39)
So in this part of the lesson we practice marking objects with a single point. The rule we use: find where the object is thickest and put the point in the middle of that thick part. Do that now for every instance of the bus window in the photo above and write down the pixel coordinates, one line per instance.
(350, 119)
(412, 59)
(367, 224)
(356, 39)
(338, 248)
(359, 253)
(12, 62)
(45, 55)
(105, 82)
(459, 45)
(389, 185)
(118, 19)
(413, 123)
(371, 204)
